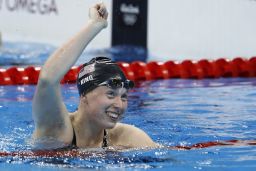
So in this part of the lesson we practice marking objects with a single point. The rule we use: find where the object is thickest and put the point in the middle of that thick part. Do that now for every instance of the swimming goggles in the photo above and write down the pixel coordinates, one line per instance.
(118, 83)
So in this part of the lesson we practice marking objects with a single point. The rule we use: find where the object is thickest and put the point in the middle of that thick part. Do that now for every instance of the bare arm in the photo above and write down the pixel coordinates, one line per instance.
(49, 112)
(131, 137)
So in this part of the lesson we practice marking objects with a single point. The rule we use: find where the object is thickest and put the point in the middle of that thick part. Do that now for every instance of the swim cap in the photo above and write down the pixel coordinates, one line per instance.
(97, 71)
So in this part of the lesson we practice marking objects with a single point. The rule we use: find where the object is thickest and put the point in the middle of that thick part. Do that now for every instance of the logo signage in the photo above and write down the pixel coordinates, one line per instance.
(129, 22)
(42, 7)
(130, 13)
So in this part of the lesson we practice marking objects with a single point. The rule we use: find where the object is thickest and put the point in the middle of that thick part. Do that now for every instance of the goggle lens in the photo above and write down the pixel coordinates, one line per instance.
(117, 83)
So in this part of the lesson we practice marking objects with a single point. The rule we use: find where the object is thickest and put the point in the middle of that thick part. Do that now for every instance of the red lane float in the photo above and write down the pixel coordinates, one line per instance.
(127, 70)
(32, 73)
(173, 69)
(139, 71)
(218, 143)
(5, 78)
(18, 75)
(82, 153)
(158, 70)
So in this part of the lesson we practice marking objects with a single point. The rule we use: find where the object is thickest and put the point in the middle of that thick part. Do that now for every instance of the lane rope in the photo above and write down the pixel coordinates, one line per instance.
(81, 153)
(138, 70)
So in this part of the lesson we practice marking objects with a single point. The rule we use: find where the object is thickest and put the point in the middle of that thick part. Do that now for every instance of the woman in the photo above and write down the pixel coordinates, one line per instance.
(103, 92)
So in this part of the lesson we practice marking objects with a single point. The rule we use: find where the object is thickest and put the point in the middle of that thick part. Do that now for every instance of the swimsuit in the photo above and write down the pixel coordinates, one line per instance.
(104, 141)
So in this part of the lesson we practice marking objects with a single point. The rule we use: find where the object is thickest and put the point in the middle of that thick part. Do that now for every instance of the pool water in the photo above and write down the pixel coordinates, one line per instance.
(24, 53)
(173, 112)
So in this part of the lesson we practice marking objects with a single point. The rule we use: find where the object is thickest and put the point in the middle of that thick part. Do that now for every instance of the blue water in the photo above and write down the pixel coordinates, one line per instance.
(24, 53)
(172, 112)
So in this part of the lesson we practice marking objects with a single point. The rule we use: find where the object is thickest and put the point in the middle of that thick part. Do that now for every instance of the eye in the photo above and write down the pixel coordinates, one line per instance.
(124, 97)
(110, 94)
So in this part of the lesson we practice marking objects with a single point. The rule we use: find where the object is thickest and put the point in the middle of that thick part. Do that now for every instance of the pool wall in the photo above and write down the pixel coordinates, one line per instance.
(177, 29)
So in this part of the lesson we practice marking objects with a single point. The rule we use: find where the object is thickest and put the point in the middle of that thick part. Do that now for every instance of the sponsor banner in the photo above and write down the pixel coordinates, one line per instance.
(42, 7)
(47, 21)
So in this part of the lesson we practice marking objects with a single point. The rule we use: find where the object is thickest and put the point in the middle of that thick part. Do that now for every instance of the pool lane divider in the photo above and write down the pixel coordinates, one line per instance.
(84, 153)
(139, 71)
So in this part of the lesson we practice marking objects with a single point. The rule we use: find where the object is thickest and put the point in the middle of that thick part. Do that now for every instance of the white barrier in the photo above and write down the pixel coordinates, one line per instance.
(177, 29)
(46, 21)
(195, 29)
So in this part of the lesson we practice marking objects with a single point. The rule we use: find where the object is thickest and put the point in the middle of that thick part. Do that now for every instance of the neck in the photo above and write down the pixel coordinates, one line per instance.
(87, 133)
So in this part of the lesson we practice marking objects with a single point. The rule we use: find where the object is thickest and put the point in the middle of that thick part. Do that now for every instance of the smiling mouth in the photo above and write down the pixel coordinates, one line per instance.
(113, 115)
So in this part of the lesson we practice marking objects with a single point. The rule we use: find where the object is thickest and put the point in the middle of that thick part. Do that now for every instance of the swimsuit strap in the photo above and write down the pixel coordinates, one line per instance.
(104, 142)
(105, 139)
(74, 138)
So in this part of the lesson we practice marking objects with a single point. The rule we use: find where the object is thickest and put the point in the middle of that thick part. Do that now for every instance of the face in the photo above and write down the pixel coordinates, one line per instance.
(106, 106)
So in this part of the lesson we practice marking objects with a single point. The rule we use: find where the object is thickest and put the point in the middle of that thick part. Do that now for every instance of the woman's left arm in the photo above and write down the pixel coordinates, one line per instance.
(132, 137)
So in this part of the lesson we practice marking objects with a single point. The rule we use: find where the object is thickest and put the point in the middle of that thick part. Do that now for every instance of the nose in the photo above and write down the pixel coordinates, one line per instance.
(119, 103)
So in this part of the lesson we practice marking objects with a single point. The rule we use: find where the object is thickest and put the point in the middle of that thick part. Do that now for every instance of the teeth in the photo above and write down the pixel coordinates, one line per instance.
(112, 115)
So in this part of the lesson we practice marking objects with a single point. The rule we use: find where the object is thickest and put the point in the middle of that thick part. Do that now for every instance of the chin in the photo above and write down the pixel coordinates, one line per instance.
(110, 125)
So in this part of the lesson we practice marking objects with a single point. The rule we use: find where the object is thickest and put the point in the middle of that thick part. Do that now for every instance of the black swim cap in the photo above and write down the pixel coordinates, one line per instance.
(97, 71)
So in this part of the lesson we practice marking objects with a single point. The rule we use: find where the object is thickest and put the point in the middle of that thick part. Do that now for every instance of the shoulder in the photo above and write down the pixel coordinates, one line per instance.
(130, 136)
(121, 128)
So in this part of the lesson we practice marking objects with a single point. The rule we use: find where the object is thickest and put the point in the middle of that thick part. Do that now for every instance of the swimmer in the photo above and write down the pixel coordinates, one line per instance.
(103, 90)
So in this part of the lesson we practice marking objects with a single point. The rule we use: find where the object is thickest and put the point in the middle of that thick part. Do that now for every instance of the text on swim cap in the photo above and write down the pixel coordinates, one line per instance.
(86, 79)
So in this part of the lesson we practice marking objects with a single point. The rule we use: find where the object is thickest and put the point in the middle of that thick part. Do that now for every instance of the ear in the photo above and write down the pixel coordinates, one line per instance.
(83, 99)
